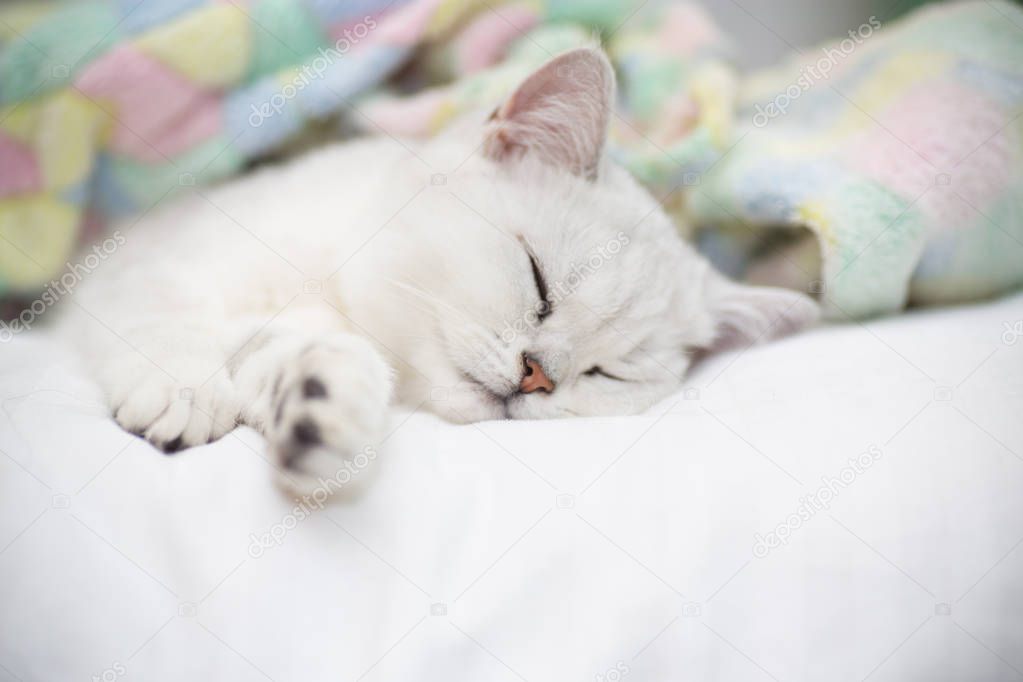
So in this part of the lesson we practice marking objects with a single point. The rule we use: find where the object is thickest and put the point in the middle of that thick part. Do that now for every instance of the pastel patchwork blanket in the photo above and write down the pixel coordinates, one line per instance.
(900, 147)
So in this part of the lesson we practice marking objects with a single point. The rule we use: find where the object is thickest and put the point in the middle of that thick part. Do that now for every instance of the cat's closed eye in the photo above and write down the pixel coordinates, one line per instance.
(541, 287)
(597, 371)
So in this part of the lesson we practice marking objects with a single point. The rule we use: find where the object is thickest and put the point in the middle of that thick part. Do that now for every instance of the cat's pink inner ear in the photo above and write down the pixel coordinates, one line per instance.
(560, 114)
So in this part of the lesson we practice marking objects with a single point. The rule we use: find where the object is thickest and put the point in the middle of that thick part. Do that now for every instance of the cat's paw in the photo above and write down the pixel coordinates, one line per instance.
(328, 405)
(172, 414)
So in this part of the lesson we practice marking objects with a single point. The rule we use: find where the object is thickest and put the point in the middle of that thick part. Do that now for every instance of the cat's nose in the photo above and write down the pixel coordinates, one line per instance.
(533, 378)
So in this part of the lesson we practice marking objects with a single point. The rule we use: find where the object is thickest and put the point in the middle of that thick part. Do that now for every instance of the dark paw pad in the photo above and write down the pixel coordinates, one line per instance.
(172, 446)
(313, 388)
(306, 432)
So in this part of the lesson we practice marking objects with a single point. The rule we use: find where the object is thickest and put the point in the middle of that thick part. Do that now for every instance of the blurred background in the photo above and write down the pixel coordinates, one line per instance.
(108, 107)
(767, 30)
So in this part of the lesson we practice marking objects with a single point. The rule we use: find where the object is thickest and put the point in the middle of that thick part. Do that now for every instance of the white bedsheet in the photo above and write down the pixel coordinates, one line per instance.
(603, 549)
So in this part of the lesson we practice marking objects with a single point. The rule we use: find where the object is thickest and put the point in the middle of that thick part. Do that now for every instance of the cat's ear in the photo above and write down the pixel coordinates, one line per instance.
(560, 114)
(744, 314)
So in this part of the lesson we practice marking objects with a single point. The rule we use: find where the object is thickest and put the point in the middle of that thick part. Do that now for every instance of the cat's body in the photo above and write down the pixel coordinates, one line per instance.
(502, 270)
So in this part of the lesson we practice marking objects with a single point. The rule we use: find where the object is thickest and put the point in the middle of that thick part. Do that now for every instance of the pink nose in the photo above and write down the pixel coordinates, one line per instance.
(533, 378)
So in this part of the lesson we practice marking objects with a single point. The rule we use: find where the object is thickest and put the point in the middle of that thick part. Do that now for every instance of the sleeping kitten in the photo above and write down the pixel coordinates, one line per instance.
(502, 270)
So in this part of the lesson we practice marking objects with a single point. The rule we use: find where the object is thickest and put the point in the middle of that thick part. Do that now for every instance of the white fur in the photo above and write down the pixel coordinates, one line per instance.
(375, 255)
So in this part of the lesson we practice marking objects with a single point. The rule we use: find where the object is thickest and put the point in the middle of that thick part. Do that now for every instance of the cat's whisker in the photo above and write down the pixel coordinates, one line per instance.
(433, 299)
(416, 337)
(427, 309)
(420, 297)
(419, 292)
(466, 336)
(464, 315)
(449, 307)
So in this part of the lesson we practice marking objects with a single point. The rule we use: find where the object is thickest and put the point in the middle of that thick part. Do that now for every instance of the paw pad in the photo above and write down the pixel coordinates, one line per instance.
(172, 446)
(306, 432)
(313, 388)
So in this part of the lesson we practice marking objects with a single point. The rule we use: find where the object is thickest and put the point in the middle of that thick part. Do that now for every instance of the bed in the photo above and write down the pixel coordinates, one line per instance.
(841, 505)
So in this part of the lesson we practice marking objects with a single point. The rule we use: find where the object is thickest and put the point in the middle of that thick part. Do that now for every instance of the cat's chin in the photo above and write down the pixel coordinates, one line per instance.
(468, 404)
(481, 406)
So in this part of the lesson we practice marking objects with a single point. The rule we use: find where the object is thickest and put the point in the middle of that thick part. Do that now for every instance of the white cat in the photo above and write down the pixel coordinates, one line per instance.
(502, 270)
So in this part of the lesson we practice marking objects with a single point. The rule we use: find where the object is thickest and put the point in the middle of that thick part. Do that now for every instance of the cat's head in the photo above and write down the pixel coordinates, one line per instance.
(546, 282)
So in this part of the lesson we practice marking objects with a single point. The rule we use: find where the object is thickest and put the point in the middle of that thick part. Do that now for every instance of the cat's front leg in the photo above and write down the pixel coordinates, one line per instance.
(165, 380)
(321, 401)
